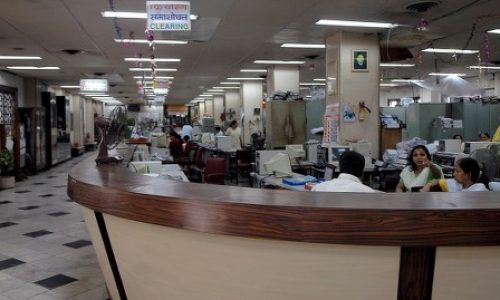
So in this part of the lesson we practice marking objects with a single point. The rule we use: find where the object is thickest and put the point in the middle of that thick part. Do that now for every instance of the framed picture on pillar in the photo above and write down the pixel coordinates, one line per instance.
(359, 60)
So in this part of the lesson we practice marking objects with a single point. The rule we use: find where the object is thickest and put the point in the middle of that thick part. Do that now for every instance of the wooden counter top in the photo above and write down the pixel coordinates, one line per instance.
(390, 219)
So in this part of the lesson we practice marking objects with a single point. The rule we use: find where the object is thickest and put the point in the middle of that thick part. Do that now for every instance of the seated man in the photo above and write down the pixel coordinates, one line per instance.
(351, 165)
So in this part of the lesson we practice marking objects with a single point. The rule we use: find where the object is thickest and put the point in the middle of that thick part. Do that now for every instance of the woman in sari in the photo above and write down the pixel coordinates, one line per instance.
(420, 171)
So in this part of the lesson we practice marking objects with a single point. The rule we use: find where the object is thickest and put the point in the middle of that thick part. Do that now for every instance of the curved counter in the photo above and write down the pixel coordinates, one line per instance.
(159, 239)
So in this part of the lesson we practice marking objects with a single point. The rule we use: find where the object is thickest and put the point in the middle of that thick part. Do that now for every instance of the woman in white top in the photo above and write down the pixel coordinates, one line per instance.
(420, 171)
(235, 133)
(467, 177)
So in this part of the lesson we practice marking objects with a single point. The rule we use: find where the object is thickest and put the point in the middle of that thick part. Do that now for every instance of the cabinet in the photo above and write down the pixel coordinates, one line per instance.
(32, 120)
(57, 142)
(285, 123)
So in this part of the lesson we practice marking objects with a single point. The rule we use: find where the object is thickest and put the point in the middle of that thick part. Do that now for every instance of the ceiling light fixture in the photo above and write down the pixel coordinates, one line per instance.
(484, 67)
(226, 87)
(157, 69)
(69, 86)
(319, 79)
(451, 51)
(297, 45)
(388, 85)
(20, 57)
(253, 70)
(215, 91)
(447, 74)
(155, 42)
(245, 78)
(133, 15)
(206, 95)
(494, 31)
(279, 62)
(406, 80)
(229, 82)
(394, 65)
(344, 23)
(153, 60)
(151, 77)
(311, 84)
(32, 68)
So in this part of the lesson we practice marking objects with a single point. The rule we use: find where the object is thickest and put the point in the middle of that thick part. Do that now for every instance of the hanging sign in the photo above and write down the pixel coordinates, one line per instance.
(93, 85)
(161, 87)
(168, 15)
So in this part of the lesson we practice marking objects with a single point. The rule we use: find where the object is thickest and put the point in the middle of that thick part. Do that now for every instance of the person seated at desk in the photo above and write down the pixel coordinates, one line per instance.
(420, 171)
(175, 145)
(467, 177)
(351, 165)
(218, 131)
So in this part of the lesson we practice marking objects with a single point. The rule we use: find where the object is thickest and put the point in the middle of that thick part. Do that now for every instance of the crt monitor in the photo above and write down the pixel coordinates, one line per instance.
(279, 165)
(295, 152)
(335, 151)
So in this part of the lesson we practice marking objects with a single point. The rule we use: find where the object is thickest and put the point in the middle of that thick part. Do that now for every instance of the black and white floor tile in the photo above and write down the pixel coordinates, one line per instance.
(45, 249)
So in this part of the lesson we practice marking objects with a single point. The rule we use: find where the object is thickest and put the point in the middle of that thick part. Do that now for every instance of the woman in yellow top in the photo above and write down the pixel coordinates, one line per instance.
(420, 171)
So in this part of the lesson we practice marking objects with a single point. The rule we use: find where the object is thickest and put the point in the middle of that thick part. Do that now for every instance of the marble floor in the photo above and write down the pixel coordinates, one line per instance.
(45, 249)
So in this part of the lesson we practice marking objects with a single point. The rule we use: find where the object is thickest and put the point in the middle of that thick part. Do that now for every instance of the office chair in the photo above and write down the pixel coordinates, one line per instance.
(214, 170)
(242, 164)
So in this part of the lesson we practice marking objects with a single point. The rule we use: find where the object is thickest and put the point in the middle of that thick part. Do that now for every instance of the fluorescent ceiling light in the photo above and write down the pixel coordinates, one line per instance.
(153, 60)
(229, 82)
(279, 62)
(155, 42)
(396, 65)
(206, 95)
(297, 45)
(20, 57)
(311, 84)
(215, 91)
(484, 67)
(245, 78)
(447, 74)
(355, 24)
(406, 80)
(253, 70)
(133, 15)
(388, 84)
(308, 96)
(452, 51)
(95, 95)
(495, 31)
(303, 88)
(151, 77)
(157, 69)
(319, 79)
(227, 87)
(32, 68)
(69, 86)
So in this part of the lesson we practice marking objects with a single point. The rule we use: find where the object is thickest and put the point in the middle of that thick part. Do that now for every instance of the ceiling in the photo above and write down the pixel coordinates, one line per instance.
(228, 36)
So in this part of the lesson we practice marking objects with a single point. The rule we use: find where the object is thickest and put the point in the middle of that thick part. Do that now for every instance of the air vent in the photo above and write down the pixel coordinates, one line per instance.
(72, 51)
(422, 6)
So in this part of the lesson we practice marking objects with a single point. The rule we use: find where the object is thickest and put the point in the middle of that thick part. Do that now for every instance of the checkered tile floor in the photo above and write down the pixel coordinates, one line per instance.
(45, 249)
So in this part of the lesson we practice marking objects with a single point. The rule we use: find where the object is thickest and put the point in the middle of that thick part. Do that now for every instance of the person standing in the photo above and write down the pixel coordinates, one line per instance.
(235, 133)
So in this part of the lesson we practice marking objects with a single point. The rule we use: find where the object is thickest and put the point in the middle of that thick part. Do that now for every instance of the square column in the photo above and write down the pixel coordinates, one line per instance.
(283, 78)
(218, 109)
(232, 105)
(251, 94)
(352, 72)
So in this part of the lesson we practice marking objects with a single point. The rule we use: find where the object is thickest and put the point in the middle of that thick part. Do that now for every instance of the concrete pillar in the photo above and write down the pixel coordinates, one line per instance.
(351, 80)
(209, 107)
(428, 95)
(497, 85)
(218, 108)
(201, 109)
(232, 105)
(283, 78)
(251, 94)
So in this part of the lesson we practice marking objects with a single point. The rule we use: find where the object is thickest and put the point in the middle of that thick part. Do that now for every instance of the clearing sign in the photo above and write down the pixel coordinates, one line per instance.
(169, 15)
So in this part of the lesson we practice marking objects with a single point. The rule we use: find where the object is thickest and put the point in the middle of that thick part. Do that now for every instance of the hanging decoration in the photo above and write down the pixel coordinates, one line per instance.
(420, 63)
(486, 49)
(118, 29)
(422, 24)
(363, 111)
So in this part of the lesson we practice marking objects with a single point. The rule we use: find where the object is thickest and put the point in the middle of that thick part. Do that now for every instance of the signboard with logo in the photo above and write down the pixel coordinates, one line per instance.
(94, 85)
(168, 15)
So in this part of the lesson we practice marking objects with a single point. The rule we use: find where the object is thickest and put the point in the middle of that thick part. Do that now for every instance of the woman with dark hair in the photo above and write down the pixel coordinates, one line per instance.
(484, 136)
(467, 177)
(420, 171)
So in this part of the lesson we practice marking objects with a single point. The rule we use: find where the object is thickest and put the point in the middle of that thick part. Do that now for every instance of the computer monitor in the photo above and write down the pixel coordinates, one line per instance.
(279, 165)
(295, 152)
(206, 138)
(335, 151)
(450, 145)
(365, 149)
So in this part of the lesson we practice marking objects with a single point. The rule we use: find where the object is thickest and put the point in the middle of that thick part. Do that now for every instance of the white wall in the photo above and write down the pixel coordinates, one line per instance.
(397, 92)
(14, 81)
(218, 109)
(209, 107)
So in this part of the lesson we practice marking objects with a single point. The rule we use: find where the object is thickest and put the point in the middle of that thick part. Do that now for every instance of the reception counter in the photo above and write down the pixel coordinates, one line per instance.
(160, 239)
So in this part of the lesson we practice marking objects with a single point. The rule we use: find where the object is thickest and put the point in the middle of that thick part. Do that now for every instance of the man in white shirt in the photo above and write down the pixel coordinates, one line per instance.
(187, 130)
(351, 165)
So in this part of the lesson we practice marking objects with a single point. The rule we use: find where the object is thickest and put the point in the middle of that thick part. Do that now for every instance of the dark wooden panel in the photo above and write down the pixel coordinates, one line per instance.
(416, 273)
(420, 219)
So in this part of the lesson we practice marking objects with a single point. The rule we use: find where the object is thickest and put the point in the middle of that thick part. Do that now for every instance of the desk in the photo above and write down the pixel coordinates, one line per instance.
(278, 182)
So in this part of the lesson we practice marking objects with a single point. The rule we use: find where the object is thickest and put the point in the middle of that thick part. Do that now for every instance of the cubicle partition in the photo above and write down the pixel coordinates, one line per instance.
(160, 239)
